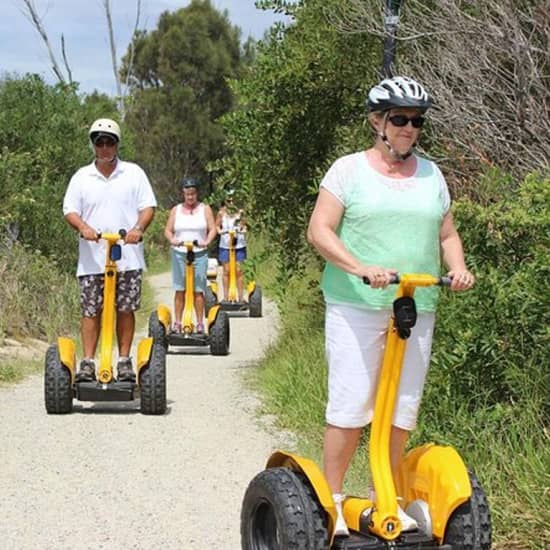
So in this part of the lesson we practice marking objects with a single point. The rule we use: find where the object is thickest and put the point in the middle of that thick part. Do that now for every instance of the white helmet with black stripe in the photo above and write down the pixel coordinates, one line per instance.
(399, 91)
(104, 127)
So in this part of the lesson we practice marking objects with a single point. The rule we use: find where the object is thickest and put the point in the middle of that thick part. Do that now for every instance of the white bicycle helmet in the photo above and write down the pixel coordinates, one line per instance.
(399, 91)
(104, 127)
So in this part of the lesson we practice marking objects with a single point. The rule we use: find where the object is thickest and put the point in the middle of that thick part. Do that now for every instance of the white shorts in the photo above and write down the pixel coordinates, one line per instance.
(355, 341)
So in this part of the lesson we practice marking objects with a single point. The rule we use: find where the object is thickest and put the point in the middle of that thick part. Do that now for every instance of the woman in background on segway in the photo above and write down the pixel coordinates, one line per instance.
(190, 221)
(231, 217)
(379, 212)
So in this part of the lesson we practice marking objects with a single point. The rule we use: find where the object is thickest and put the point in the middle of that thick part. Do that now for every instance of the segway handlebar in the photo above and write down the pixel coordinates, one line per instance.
(114, 236)
(417, 280)
(236, 230)
(188, 244)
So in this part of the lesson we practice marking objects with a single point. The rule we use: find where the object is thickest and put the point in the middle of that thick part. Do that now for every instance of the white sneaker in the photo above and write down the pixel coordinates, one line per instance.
(407, 523)
(340, 528)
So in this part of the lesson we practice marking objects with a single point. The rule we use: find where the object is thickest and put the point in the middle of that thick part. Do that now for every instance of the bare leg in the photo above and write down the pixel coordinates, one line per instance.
(125, 326)
(239, 283)
(179, 297)
(89, 331)
(339, 447)
(199, 306)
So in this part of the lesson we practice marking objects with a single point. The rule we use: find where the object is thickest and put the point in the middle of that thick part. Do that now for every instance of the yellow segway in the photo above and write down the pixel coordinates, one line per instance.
(217, 322)
(60, 386)
(290, 504)
(231, 302)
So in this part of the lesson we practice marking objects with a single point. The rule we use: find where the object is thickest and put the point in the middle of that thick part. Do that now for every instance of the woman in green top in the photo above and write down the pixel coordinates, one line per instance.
(379, 212)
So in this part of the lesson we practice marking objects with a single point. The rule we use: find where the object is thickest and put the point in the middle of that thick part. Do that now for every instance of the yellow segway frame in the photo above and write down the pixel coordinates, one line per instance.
(432, 473)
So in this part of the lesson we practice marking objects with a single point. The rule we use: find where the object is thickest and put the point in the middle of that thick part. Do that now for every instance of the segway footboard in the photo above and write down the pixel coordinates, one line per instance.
(226, 305)
(114, 391)
(406, 541)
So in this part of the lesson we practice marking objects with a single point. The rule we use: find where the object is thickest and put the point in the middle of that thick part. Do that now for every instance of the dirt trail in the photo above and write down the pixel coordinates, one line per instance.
(107, 477)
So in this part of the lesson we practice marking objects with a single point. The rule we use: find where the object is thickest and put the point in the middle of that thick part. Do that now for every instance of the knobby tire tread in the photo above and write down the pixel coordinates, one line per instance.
(58, 392)
(153, 382)
(255, 303)
(469, 527)
(219, 334)
(302, 522)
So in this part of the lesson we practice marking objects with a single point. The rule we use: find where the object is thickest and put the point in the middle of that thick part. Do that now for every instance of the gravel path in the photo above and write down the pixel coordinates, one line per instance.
(107, 477)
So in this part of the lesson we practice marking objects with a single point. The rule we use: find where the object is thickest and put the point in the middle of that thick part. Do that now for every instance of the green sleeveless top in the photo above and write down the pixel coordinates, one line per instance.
(390, 222)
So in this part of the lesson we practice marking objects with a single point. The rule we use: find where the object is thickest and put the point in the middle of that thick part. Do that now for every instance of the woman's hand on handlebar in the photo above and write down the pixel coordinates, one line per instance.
(379, 277)
(462, 279)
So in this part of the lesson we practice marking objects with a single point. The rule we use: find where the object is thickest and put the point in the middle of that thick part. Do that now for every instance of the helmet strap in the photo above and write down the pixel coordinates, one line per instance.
(110, 161)
(395, 154)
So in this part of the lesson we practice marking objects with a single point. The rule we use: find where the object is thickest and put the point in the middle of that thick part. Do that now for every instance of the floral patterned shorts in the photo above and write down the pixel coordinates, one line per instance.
(128, 292)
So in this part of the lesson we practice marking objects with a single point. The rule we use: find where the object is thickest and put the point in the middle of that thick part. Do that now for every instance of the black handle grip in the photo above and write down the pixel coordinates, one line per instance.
(393, 281)
(443, 281)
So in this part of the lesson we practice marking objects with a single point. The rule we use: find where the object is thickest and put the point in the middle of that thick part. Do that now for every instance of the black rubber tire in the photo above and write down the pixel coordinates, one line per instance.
(152, 381)
(219, 334)
(255, 303)
(280, 511)
(58, 391)
(210, 299)
(469, 527)
(156, 330)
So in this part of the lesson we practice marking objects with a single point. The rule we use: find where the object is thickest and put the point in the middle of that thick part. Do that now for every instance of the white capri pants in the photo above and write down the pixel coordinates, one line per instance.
(355, 341)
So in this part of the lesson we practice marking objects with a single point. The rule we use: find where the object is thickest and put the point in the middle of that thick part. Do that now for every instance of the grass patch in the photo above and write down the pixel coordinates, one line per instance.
(506, 444)
(13, 370)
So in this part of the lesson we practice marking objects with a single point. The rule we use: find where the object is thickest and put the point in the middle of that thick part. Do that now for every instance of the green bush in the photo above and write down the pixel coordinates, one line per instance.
(492, 343)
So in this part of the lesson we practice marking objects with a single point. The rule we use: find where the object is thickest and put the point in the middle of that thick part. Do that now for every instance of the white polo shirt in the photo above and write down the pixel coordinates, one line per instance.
(107, 205)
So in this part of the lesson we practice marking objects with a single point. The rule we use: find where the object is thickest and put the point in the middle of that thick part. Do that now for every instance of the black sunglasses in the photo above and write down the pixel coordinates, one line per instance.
(403, 120)
(105, 142)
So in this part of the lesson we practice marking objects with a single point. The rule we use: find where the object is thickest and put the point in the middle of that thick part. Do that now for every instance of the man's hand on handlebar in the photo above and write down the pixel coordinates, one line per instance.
(89, 233)
(133, 236)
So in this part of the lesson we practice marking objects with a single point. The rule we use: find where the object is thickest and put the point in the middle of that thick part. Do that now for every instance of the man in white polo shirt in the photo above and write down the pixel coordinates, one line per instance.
(107, 195)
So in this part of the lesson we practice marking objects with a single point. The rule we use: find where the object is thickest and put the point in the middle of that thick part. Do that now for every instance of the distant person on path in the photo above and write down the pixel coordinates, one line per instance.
(379, 212)
(231, 217)
(189, 221)
(105, 196)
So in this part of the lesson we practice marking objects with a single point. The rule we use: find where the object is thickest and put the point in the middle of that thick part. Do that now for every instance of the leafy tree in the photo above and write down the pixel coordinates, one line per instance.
(486, 64)
(179, 83)
(300, 105)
